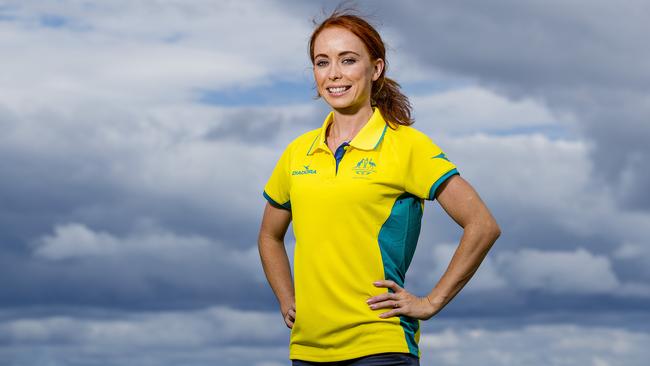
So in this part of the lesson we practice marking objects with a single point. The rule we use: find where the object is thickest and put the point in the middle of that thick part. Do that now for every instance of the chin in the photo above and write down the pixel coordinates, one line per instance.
(339, 104)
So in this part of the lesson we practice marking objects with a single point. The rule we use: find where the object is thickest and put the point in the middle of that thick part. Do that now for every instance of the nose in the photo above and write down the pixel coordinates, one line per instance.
(334, 72)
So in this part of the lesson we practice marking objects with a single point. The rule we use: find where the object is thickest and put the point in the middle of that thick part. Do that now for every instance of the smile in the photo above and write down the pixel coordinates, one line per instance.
(338, 90)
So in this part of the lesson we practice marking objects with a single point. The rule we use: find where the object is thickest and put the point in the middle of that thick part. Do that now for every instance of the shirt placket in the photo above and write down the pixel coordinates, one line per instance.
(338, 155)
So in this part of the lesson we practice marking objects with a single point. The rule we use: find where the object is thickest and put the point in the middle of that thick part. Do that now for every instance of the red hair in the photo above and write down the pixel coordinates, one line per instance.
(385, 92)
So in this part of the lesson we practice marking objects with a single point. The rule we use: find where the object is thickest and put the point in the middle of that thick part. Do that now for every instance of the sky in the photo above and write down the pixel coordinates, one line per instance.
(136, 138)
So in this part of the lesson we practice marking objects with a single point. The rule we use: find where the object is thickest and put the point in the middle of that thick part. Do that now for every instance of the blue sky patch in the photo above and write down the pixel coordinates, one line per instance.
(53, 21)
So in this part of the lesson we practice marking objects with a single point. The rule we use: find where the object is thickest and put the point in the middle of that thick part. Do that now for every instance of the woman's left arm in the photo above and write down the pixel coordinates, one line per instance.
(480, 231)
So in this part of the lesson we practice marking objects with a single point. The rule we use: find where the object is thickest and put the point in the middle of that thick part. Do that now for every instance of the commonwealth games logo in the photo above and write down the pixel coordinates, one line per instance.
(365, 166)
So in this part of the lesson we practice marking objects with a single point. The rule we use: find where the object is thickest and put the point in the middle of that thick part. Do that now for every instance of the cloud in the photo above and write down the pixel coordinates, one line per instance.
(468, 110)
(570, 273)
(549, 179)
(555, 344)
(150, 267)
(209, 335)
(559, 272)
(487, 278)
(217, 334)
(139, 54)
(581, 58)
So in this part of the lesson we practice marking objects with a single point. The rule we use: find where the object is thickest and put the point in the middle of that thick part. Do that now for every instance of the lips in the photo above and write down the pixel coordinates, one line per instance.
(338, 90)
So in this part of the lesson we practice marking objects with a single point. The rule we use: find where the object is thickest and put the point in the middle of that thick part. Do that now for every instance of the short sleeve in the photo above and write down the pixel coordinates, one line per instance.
(428, 167)
(277, 188)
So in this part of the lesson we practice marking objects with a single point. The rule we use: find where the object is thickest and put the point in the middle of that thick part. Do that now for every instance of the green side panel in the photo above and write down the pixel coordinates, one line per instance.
(397, 241)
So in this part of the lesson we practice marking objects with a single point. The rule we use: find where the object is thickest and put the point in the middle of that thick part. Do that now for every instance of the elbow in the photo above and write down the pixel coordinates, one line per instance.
(488, 229)
(493, 230)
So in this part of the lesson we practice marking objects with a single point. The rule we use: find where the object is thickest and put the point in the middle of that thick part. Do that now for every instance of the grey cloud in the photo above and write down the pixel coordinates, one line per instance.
(211, 335)
(552, 344)
(271, 126)
(583, 57)
(78, 266)
(77, 173)
(233, 337)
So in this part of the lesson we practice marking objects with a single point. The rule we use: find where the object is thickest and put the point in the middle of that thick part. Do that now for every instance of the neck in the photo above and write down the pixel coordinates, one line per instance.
(347, 123)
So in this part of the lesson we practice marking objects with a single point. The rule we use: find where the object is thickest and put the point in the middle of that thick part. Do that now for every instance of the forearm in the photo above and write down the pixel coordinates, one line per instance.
(277, 270)
(476, 241)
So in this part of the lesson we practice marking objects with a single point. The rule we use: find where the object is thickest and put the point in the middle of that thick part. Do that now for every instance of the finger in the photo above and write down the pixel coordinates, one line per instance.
(389, 284)
(289, 324)
(382, 297)
(385, 304)
(391, 313)
(289, 321)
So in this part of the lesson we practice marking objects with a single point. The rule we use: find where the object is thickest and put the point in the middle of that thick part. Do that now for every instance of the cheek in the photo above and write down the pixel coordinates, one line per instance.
(320, 76)
(361, 74)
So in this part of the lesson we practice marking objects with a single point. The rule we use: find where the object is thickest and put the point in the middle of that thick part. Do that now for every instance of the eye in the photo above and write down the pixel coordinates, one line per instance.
(349, 61)
(321, 63)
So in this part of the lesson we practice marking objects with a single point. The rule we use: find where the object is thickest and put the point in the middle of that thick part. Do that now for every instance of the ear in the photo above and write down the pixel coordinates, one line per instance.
(379, 67)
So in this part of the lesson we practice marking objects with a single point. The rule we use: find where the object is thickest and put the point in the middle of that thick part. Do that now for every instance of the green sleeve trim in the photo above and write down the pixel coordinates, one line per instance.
(434, 187)
(284, 206)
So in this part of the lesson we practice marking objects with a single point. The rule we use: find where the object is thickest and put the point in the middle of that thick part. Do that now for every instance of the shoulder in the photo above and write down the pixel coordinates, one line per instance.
(408, 136)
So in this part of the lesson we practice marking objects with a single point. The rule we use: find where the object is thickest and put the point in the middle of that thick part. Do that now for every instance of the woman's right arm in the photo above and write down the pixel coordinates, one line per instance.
(275, 260)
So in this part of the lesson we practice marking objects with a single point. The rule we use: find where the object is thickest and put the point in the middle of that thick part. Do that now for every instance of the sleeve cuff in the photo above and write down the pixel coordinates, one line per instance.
(434, 187)
(284, 206)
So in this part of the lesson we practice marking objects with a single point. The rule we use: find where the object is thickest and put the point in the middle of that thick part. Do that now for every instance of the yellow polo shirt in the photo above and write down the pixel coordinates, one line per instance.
(356, 218)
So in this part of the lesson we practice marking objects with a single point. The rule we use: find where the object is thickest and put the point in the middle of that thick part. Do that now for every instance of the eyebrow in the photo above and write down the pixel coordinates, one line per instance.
(340, 54)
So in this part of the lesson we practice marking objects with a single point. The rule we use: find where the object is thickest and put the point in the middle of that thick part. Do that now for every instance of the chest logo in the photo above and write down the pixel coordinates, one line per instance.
(304, 171)
(365, 166)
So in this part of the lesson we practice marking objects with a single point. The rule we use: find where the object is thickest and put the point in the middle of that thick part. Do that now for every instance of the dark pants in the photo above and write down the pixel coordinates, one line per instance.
(381, 359)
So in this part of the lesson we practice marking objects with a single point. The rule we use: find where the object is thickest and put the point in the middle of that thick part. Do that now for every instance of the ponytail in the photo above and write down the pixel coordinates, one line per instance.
(394, 105)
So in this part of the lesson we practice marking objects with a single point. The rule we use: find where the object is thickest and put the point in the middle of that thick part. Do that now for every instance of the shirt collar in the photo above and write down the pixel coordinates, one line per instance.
(368, 137)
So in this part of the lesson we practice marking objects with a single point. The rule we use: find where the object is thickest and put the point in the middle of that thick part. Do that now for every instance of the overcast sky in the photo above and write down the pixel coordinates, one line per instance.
(136, 138)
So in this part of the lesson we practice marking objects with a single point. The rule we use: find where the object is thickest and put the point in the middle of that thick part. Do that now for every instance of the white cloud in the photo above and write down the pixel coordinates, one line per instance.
(163, 151)
(232, 337)
(556, 272)
(135, 262)
(210, 326)
(75, 240)
(584, 60)
(552, 344)
(485, 279)
(539, 175)
(163, 338)
(577, 271)
(120, 52)
(471, 109)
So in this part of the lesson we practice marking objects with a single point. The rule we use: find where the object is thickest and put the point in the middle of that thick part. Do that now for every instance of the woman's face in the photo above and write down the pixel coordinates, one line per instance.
(343, 70)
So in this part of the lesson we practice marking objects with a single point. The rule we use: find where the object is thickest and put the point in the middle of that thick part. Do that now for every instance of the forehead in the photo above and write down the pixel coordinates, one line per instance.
(333, 40)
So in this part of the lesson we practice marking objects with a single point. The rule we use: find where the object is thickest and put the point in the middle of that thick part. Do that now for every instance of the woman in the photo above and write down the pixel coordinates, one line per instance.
(355, 190)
